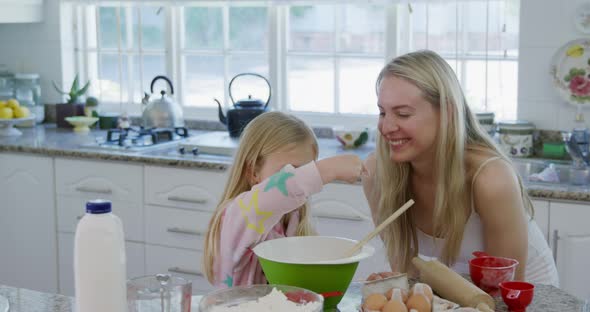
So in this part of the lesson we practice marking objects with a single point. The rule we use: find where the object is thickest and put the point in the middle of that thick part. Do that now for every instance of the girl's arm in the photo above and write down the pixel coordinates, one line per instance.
(369, 186)
(498, 201)
(251, 215)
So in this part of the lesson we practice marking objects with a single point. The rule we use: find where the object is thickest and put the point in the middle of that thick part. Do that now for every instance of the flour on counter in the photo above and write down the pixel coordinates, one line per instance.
(274, 301)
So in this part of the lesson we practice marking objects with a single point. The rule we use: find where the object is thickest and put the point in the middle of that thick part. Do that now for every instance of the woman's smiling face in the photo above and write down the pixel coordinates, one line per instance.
(407, 121)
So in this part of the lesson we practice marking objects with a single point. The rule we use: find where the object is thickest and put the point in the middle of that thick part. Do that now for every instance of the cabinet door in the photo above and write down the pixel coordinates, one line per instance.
(542, 216)
(570, 239)
(183, 188)
(178, 262)
(27, 225)
(134, 252)
(99, 179)
(176, 227)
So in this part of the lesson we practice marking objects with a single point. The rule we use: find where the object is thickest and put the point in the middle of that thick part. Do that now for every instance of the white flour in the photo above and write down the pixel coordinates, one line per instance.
(274, 301)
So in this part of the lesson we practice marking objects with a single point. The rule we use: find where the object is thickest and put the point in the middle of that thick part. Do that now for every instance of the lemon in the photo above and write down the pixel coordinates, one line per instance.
(2, 104)
(21, 112)
(6, 113)
(12, 103)
(575, 51)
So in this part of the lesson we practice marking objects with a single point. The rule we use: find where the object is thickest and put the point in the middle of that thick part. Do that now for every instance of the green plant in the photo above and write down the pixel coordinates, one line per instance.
(75, 92)
(91, 101)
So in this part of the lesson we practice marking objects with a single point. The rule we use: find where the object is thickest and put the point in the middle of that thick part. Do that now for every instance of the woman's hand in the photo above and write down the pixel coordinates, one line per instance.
(348, 168)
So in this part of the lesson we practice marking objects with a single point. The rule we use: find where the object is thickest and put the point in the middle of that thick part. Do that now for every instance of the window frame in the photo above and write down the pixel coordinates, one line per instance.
(397, 17)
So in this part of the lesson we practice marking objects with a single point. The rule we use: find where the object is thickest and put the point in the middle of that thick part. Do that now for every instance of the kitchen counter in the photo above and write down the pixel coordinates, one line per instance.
(547, 299)
(51, 141)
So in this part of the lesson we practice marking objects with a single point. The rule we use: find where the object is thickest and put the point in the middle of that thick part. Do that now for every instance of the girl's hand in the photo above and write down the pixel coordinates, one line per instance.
(348, 168)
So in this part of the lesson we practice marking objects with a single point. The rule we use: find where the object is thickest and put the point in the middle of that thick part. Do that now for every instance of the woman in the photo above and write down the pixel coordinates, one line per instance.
(468, 196)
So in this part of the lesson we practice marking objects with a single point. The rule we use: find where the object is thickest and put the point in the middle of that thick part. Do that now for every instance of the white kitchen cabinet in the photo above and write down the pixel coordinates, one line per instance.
(342, 210)
(542, 216)
(134, 252)
(28, 251)
(99, 179)
(176, 227)
(179, 262)
(183, 188)
(570, 239)
(21, 11)
(71, 209)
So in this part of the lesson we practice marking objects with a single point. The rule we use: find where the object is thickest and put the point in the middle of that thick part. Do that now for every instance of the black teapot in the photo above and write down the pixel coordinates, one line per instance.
(244, 110)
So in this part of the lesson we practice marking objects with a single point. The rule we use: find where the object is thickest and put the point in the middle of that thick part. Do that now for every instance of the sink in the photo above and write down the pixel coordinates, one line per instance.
(567, 175)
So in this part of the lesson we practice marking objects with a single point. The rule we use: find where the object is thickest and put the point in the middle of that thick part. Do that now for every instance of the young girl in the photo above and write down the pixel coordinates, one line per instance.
(273, 174)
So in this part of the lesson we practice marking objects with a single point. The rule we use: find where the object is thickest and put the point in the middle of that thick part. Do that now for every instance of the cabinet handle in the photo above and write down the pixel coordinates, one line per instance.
(79, 217)
(184, 231)
(94, 190)
(184, 271)
(349, 218)
(555, 241)
(187, 200)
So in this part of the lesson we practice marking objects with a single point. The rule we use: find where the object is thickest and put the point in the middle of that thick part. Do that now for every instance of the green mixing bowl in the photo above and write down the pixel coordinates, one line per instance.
(317, 263)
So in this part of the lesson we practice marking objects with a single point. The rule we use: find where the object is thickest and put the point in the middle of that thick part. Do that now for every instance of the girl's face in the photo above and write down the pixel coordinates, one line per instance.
(294, 154)
(407, 121)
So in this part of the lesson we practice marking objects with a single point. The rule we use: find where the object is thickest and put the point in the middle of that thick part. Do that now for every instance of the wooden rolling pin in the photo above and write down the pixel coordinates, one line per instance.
(451, 286)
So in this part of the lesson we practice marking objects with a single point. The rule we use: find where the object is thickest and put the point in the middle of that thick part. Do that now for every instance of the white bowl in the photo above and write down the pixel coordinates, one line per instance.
(351, 138)
(81, 123)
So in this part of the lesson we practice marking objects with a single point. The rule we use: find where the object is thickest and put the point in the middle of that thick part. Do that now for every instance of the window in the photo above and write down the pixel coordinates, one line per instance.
(321, 57)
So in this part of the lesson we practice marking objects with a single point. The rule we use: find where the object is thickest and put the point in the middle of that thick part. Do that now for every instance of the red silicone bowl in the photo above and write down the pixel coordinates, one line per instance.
(517, 295)
(488, 271)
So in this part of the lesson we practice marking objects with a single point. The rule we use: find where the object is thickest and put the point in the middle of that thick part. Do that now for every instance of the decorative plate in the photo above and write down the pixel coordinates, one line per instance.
(582, 18)
(570, 70)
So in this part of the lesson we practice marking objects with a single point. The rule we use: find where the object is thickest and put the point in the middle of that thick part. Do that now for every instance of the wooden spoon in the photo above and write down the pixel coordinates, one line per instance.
(379, 228)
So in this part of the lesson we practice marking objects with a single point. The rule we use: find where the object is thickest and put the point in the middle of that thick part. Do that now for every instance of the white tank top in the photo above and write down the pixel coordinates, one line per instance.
(540, 267)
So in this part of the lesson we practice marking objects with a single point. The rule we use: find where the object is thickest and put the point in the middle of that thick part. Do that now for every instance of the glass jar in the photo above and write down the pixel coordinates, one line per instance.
(27, 91)
(486, 120)
(6, 84)
(515, 137)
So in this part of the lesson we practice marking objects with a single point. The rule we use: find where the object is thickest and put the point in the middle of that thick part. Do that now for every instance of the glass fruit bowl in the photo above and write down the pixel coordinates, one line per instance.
(232, 297)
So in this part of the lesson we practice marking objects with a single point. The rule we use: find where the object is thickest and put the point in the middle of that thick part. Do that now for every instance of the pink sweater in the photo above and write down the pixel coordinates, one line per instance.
(253, 217)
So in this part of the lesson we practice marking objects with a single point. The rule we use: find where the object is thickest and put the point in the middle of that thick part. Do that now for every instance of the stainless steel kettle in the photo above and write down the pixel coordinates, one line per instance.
(162, 112)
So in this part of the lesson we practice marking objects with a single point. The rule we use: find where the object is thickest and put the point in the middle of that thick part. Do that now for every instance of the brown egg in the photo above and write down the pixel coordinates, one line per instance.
(419, 302)
(374, 302)
(421, 288)
(404, 294)
(388, 274)
(394, 306)
(374, 277)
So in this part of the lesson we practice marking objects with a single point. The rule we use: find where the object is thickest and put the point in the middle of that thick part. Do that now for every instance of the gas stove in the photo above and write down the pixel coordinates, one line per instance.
(139, 139)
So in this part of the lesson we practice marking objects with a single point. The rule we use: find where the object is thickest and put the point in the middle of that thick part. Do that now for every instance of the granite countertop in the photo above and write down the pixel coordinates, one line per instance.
(51, 141)
(546, 299)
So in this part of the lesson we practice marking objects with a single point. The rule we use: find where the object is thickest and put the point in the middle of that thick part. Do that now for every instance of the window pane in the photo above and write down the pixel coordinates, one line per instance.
(442, 28)
(248, 28)
(109, 34)
(111, 88)
(311, 84)
(90, 35)
(475, 28)
(419, 35)
(502, 87)
(203, 28)
(153, 65)
(311, 28)
(249, 85)
(152, 27)
(357, 85)
(204, 81)
(362, 29)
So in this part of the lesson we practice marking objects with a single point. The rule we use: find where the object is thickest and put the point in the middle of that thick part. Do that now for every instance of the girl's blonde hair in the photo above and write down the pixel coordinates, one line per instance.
(266, 134)
(458, 131)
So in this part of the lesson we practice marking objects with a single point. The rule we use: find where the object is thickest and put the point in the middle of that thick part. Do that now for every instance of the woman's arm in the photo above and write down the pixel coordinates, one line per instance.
(369, 185)
(498, 201)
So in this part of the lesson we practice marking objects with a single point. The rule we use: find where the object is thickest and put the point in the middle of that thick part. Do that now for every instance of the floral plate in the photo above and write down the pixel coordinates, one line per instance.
(570, 70)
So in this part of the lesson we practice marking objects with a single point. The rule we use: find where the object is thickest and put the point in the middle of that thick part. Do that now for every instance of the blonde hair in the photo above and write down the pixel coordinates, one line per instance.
(266, 134)
(458, 131)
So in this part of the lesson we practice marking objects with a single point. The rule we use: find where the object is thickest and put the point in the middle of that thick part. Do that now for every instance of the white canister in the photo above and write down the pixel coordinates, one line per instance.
(515, 137)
